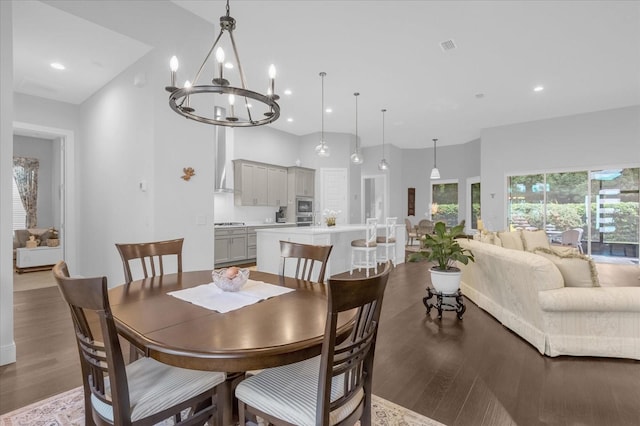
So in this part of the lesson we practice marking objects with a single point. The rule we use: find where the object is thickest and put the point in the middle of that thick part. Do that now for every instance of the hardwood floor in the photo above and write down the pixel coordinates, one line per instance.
(469, 372)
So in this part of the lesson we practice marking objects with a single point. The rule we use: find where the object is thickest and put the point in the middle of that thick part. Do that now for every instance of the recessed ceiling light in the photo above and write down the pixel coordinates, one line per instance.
(57, 66)
(228, 65)
(479, 95)
(538, 88)
(290, 120)
(328, 110)
(287, 92)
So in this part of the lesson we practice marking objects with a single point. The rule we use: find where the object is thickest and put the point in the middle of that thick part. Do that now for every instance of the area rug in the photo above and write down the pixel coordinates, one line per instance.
(67, 409)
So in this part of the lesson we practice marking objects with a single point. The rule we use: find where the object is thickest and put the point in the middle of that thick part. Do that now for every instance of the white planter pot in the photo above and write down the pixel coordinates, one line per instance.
(447, 282)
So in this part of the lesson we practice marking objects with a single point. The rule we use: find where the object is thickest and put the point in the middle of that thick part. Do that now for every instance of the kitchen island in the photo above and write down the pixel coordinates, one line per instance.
(340, 236)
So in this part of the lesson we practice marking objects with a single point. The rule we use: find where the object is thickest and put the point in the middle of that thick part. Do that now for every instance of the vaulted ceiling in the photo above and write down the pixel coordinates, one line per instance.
(442, 69)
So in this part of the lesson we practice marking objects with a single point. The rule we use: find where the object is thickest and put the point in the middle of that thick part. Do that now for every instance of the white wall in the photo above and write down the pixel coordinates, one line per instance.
(595, 140)
(7, 345)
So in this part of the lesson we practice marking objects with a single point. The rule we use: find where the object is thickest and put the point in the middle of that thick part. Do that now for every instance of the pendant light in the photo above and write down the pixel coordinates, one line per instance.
(383, 164)
(435, 173)
(356, 157)
(322, 149)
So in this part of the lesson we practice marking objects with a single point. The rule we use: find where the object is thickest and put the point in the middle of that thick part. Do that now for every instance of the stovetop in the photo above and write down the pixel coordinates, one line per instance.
(222, 224)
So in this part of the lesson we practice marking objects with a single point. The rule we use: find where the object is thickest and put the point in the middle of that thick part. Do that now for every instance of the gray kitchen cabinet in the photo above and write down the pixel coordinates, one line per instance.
(230, 245)
(250, 181)
(302, 181)
(277, 186)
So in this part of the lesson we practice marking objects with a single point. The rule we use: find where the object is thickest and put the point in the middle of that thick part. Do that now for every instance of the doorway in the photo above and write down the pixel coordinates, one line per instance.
(374, 197)
(63, 140)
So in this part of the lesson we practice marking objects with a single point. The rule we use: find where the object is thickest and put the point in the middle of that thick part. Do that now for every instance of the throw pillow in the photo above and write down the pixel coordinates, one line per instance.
(534, 239)
(511, 240)
(486, 237)
(577, 269)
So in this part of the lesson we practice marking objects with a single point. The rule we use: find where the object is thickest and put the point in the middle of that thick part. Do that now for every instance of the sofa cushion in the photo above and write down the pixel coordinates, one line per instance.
(534, 239)
(577, 270)
(511, 240)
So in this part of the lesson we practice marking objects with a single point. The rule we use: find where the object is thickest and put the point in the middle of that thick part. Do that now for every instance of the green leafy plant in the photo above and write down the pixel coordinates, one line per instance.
(443, 248)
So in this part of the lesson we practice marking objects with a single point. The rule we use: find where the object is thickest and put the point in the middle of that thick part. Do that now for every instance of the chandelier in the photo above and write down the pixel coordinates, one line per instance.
(383, 164)
(322, 149)
(185, 100)
(435, 173)
(356, 157)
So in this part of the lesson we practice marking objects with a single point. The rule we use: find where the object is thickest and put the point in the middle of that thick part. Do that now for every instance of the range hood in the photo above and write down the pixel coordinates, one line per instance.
(223, 182)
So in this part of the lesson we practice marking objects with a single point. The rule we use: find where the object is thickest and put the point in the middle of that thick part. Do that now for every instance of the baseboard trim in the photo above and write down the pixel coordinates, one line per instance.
(8, 354)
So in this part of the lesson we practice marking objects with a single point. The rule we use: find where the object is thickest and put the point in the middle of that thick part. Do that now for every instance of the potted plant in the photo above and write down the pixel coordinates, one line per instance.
(442, 248)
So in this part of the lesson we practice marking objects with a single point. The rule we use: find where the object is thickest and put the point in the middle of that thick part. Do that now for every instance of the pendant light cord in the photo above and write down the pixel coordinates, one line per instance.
(383, 111)
(434, 152)
(322, 74)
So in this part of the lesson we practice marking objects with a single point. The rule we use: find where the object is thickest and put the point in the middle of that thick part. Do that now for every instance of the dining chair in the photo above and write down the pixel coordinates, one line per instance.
(425, 226)
(387, 242)
(150, 256)
(306, 257)
(143, 392)
(335, 387)
(411, 231)
(363, 251)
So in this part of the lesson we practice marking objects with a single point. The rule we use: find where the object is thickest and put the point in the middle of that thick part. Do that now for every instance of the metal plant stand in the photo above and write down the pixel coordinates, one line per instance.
(440, 305)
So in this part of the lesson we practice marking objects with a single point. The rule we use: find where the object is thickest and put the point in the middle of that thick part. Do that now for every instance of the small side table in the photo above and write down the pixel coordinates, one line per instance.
(440, 305)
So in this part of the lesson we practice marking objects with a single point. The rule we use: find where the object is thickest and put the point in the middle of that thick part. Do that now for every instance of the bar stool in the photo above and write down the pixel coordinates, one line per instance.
(388, 241)
(363, 251)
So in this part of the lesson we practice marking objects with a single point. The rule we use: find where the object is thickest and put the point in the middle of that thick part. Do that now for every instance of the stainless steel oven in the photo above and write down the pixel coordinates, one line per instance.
(304, 206)
(304, 220)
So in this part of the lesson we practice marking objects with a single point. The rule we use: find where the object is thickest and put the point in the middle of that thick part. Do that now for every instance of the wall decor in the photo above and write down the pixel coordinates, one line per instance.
(188, 172)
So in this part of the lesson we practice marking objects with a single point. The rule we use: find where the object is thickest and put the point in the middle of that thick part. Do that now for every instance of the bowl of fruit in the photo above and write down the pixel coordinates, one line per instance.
(230, 279)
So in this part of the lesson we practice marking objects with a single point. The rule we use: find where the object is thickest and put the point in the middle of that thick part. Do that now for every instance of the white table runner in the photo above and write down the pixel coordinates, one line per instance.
(211, 297)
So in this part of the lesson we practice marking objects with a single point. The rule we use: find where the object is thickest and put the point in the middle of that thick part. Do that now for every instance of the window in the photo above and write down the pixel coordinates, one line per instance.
(444, 203)
(603, 204)
(19, 215)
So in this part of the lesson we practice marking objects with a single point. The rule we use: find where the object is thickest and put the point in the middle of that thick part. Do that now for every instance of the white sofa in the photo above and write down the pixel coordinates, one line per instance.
(526, 292)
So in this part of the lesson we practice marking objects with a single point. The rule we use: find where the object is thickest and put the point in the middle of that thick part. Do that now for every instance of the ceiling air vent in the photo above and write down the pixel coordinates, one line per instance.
(447, 45)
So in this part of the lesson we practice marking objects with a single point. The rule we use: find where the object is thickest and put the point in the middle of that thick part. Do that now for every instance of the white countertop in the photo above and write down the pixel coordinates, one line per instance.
(254, 225)
(312, 230)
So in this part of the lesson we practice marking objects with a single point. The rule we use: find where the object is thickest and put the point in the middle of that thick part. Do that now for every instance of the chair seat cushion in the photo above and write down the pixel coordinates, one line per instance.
(383, 240)
(154, 386)
(290, 392)
(362, 243)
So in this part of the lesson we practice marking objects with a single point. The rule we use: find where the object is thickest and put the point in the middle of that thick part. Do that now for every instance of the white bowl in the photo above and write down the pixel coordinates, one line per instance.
(225, 283)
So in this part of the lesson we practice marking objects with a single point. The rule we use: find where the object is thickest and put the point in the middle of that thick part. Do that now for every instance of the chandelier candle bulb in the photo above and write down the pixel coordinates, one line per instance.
(272, 80)
(232, 108)
(220, 59)
(187, 102)
(173, 66)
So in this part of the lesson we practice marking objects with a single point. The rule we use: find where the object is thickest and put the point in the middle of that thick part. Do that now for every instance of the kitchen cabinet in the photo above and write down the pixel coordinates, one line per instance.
(277, 186)
(259, 184)
(230, 245)
(302, 181)
(250, 183)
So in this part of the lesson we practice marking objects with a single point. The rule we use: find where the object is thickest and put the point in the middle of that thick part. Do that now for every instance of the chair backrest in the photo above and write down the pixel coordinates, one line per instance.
(408, 225)
(425, 226)
(390, 228)
(371, 231)
(150, 255)
(307, 257)
(349, 365)
(98, 360)
(571, 237)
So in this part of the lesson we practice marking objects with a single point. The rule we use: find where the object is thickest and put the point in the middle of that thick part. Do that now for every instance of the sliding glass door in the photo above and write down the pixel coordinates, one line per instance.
(604, 205)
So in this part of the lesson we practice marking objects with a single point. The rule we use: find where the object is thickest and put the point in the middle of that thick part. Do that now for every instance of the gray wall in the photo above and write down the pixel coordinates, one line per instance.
(42, 149)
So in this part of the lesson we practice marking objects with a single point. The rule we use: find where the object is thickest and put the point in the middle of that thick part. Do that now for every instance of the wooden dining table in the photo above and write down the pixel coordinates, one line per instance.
(281, 330)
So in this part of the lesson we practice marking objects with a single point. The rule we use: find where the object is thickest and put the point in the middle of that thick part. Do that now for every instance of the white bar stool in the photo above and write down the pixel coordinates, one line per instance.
(363, 251)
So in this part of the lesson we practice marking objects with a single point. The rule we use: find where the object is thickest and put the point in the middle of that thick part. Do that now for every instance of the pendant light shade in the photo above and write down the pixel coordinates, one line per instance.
(322, 149)
(383, 164)
(356, 157)
(435, 173)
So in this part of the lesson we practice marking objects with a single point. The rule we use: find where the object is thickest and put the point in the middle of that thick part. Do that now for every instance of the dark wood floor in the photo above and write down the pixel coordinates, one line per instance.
(470, 372)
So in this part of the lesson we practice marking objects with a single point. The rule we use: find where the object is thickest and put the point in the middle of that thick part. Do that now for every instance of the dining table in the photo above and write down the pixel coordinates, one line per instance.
(280, 330)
